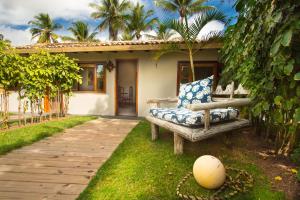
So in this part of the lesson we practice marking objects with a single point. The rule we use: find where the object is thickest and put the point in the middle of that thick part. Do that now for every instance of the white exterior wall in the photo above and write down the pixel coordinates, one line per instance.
(155, 80)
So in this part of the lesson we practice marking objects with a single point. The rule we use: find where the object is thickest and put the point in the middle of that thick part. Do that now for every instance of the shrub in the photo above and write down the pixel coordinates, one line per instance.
(262, 52)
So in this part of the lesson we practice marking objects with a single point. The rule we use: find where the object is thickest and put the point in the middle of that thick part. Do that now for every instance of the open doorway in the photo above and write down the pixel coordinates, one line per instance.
(126, 88)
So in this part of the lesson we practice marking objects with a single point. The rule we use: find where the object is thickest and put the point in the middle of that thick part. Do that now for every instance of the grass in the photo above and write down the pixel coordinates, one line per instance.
(145, 170)
(16, 138)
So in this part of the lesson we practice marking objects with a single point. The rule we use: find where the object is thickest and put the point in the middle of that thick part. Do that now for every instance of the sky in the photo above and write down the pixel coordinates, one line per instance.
(15, 15)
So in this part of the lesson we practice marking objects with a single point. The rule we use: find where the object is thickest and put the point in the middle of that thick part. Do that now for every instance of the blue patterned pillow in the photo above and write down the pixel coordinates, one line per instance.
(195, 92)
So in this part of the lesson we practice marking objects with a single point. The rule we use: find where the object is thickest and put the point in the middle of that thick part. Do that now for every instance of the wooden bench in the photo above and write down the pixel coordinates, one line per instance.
(208, 129)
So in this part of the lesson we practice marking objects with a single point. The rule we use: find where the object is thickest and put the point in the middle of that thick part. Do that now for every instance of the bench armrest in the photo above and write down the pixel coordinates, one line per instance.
(157, 102)
(163, 100)
(219, 104)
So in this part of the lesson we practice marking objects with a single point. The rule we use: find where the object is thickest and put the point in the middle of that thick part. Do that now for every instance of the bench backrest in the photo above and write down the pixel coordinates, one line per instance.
(229, 90)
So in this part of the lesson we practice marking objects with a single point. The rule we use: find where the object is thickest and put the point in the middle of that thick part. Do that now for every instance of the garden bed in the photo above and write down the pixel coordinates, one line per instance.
(142, 169)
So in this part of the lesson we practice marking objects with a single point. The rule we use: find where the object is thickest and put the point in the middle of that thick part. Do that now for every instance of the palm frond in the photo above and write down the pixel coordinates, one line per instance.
(166, 49)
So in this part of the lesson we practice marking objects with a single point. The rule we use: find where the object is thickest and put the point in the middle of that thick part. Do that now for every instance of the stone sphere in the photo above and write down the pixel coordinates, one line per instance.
(209, 172)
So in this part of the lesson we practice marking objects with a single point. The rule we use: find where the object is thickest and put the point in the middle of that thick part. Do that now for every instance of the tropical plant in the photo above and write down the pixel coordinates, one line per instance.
(113, 14)
(262, 51)
(43, 28)
(184, 8)
(161, 33)
(81, 33)
(140, 20)
(190, 31)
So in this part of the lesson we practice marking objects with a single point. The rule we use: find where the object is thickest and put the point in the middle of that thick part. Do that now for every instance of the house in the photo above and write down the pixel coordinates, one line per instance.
(119, 77)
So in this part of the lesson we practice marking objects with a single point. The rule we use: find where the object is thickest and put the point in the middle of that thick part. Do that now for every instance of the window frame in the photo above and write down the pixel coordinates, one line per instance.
(93, 65)
(214, 64)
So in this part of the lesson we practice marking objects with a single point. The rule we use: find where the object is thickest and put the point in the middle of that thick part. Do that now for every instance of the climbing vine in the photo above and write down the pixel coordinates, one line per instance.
(262, 52)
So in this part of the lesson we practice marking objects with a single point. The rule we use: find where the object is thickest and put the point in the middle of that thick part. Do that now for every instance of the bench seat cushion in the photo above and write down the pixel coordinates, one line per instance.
(186, 117)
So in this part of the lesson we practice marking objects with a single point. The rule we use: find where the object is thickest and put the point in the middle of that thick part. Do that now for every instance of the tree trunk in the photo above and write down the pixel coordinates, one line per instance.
(31, 110)
(113, 34)
(19, 108)
(5, 109)
(192, 63)
(51, 106)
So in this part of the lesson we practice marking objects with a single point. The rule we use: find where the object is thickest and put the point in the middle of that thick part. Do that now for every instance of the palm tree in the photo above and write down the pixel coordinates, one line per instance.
(140, 20)
(80, 31)
(190, 31)
(162, 33)
(113, 14)
(183, 7)
(43, 27)
(127, 35)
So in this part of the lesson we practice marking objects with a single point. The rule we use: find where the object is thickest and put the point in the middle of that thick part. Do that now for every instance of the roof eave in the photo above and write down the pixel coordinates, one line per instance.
(140, 47)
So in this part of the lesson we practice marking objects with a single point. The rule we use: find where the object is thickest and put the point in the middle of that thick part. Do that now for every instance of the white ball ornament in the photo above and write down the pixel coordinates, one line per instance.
(209, 172)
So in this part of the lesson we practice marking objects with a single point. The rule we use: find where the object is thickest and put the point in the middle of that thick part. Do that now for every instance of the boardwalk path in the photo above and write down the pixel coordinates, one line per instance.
(61, 166)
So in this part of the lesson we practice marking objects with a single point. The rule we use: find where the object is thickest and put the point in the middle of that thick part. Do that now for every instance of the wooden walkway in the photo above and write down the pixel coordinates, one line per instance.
(60, 167)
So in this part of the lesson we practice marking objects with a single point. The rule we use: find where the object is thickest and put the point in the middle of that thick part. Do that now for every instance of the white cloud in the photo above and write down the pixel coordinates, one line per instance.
(213, 26)
(16, 36)
(19, 12)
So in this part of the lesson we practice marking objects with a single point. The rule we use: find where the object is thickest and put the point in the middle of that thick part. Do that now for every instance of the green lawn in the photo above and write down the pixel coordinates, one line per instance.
(142, 169)
(16, 138)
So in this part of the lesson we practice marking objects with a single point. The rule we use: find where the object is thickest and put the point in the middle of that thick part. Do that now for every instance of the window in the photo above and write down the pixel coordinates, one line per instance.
(202, 70)
(93, 78)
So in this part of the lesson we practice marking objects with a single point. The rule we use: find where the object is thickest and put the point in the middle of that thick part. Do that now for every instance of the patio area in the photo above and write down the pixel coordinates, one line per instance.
(60, 167)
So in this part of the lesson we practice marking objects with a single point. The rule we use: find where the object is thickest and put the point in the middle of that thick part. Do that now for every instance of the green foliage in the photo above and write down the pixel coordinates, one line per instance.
(11, 73)
(261, 51)
(112, 13)
(296, 155)
(140, 20)
(81, 33)
(52, 73)
(189, 33)
(162, 33)
(184, 8)
(43, 27)
(35, 76)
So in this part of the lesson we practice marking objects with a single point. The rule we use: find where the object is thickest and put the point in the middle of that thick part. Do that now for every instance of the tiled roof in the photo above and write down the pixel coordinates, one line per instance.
(105, 46)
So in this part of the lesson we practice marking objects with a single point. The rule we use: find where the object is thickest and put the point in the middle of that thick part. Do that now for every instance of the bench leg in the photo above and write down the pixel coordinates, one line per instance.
(178, 144)
(154, 131)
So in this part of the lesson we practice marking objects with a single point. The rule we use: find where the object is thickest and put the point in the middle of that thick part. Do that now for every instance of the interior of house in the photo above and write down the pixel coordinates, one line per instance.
(126, 82)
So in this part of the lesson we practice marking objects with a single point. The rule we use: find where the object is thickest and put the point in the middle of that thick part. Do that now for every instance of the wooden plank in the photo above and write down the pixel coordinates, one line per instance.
(48, 163)
(163, 100)
(44, 188)
(47, 170)
(21, 155)
(35, 196)
(220, 104)
(45, 178)
(197, 134)
(61, 166)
